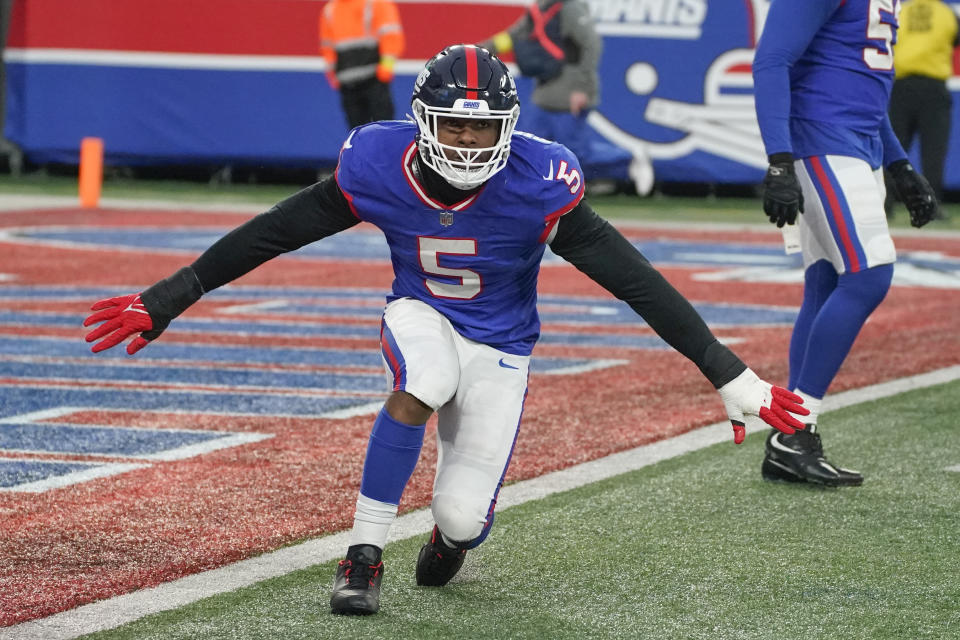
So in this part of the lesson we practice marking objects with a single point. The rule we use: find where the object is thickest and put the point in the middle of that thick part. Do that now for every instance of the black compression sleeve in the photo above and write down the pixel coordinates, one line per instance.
(594, 247)
(313, 213)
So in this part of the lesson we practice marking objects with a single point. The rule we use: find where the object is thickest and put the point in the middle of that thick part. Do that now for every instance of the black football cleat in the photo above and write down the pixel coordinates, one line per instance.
(799, 458)
(356, 587)
(437, 562)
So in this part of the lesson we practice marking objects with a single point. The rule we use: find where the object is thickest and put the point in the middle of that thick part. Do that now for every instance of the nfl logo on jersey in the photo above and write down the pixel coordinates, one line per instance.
(446, 218)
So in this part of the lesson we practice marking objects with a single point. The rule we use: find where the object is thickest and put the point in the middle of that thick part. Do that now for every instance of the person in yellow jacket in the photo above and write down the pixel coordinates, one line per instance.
(361, 41)
(920, 103)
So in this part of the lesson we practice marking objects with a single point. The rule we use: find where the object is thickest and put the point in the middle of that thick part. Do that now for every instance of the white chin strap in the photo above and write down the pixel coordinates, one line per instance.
(465, 171)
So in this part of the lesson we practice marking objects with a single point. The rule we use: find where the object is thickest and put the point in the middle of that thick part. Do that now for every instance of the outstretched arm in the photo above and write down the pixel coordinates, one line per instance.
(309, 215)
(594, 247)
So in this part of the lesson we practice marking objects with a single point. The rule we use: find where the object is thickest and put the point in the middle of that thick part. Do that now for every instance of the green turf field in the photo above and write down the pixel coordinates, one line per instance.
(693, 547)
(656, 208)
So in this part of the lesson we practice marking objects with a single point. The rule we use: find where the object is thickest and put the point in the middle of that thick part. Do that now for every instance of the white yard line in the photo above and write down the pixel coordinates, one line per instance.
(113, 612)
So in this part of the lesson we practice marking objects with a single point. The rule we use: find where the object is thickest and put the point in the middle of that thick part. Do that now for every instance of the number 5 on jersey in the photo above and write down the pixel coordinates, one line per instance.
(430, 251)
(572, 178)
(877, 29)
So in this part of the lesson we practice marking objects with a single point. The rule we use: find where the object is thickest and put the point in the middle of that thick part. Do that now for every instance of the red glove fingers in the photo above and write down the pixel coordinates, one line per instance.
(789, 401)
(739, 431)
(136, 344)
(122, 317)
(782, 404)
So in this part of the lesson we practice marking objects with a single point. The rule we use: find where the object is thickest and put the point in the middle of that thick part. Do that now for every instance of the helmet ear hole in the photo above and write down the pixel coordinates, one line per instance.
(465, 81)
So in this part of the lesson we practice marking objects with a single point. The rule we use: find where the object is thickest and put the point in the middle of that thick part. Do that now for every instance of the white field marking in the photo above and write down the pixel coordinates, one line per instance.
(45, 414)
(906, 275)
(752, 274)
(200, 448)
(128, 363)
(94, 470)
(707, 258)
(48, 414)
(22, 382)
(955, 467)
(602, 311)
(350, 412)
(225, 440)
(255, 307)
(113, 612)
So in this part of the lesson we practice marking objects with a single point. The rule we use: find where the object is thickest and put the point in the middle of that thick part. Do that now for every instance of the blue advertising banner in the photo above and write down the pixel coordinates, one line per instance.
(241, 81)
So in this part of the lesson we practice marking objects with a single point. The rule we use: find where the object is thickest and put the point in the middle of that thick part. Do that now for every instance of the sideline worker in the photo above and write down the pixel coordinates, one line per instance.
(920, 104)
(361, 41)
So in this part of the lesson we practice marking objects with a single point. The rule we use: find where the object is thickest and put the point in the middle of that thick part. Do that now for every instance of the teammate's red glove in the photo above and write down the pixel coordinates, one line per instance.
(147, 313)
(749, 395)
(122, 317)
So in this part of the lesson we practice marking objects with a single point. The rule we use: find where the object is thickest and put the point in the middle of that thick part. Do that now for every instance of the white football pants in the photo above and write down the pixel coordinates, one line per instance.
(843, 219)
(478, 393)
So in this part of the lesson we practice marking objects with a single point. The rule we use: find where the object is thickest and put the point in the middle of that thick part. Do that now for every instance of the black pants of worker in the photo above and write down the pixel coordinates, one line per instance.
(366, 101)
(921, 105)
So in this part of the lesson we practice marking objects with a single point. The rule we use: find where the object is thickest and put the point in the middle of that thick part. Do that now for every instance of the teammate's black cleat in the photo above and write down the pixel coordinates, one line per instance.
(799, 458)
(356, 587)
(437, 562)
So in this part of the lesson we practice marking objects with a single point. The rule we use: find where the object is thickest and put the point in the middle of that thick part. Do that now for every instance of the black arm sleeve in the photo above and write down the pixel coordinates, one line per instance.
(316, 212)
(594, 247)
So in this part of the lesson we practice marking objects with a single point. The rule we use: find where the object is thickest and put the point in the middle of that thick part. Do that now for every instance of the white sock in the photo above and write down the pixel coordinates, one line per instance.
(372, 521)
(811, 403)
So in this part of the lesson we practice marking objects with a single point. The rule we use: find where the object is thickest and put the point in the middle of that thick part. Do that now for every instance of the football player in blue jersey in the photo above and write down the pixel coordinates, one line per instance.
(822, 76)
(467, 206)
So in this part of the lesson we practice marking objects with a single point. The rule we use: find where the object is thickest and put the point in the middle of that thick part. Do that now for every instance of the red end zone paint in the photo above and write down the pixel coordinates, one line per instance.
(71, 546)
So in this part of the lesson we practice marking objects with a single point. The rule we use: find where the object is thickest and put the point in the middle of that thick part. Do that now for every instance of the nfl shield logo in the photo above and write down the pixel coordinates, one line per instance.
(446, 218)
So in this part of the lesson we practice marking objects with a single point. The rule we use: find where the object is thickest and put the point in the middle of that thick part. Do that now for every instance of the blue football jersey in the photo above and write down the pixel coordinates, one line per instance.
(477, 261)
(837, 58)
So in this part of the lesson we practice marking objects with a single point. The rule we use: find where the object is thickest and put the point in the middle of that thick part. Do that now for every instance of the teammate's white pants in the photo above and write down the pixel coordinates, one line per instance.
(843, 220)
(478, 393)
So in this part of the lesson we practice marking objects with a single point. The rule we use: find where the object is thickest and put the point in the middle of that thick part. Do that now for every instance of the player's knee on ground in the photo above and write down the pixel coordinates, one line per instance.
(461, 517)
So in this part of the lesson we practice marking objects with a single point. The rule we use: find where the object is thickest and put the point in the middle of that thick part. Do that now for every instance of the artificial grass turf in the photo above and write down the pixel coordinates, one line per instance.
(693, 547)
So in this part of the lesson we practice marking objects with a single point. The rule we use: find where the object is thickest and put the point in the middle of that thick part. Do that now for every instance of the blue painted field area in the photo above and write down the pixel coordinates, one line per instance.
(371, 246)
(237, 375)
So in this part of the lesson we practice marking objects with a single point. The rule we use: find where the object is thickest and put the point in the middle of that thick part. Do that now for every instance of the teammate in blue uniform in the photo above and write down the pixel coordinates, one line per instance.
(822, 76)
(467, 206)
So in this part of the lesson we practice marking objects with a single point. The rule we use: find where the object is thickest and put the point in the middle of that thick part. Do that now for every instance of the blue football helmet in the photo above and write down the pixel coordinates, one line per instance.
(465, 81)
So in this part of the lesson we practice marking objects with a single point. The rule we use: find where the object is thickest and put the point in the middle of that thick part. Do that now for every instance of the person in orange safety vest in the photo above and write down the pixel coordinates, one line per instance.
(361, 41)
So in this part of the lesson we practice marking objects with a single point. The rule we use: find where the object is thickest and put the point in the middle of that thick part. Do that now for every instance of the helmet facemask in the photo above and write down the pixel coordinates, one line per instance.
(464, 168)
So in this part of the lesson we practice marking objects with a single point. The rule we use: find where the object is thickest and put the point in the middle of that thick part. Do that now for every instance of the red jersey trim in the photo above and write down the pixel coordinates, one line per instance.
(551, 219)
(353, 209)
(422, 193)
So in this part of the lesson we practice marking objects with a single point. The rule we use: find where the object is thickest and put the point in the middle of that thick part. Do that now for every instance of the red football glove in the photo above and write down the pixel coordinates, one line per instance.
(124, 316)
(147, 313)
(749, 395)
